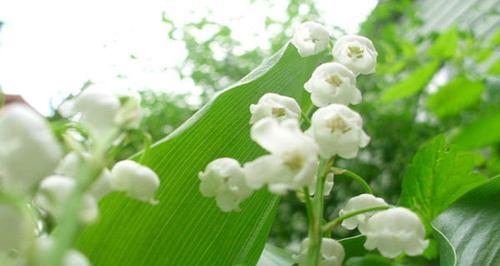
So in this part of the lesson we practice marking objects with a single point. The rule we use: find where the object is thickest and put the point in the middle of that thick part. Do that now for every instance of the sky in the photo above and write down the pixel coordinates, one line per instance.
(50, 48)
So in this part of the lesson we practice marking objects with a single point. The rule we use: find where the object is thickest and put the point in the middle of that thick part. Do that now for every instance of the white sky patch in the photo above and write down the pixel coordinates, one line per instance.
(49, 48)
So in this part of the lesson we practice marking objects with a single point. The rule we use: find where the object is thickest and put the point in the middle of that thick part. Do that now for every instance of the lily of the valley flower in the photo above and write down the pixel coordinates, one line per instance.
(224, 179)
(357, 53)
(310, 38)
(360, 202)
(275, 105)
(25, 137)
(292, 161)
(333, 83)
(332, 253)
(16, 229)
(54, 191)
(395, 231)
(138, 181)
(338, 131)
(42, 247)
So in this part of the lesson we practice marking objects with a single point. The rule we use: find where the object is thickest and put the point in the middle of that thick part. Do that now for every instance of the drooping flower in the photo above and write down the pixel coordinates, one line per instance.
(292, 162)
(274, 105)
(360, 202)
(17, 230)
(53, 193)
(395, 231)
(138, 181)
(41, 248)
(332, 253)
(29, 151)
(333, 83)
(329, 182)
(355, 52)
(224, 179)
(310, 38)
(338, 131)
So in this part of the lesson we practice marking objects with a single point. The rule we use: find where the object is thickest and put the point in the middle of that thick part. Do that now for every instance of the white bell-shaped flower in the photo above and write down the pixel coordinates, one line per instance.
(138, 181)
(29, 151)
(97, 110)
(355, 52)
(360, 202)
(333, 83)
(17, 230)
(310, 38)
(54, 191)
(69, 167)
(224, 179)
(338, 131)
(332, 253)
(41, 249)
(292, 162)
(395, 231)
(275, 105)
(329, 182)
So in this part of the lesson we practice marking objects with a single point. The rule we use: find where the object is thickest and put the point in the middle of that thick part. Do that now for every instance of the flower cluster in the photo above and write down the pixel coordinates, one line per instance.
(295, 155)
(37, 180)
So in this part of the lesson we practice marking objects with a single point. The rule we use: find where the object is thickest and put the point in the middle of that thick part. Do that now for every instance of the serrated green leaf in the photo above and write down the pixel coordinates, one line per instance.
(468, 233)
(274, 256)
(455, 96)
(445, 46)
(437, 176)
(186, 228)
(482, 132)
(411, 84)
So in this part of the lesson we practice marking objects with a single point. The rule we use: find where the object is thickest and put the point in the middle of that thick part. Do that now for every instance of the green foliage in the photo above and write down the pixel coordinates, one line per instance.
(445, 46)
(454, 97)
(411, 84)
(437, 176)
(275, 256)
(468, 232)
(480, 133)
(168, 234)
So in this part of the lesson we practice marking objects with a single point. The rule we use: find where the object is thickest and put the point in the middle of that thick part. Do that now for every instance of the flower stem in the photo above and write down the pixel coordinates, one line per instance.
(337, 221)
(309, 205)
(315, 232)
(354, 176)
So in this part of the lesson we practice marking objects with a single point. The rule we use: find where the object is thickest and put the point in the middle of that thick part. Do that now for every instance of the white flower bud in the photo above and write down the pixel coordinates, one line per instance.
(338, 131)
(69, 167)
(360, 202)
(293, 161)
(41, 248)
(275, 105)
(29, 150)
(355, 52)
(97, 110)
(333, 83)
(130, 113)
(332, 253)
(16, 228)
(224, 179)
(329, 182)
(53, 193)
(395, 231)
(138, 181)
(310, 38)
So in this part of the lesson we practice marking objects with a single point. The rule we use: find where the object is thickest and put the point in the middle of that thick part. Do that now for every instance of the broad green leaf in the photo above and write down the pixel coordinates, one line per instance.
(437, 176)
(482, 132)
(274, 256)
(455, 96)
(186, 228)
(445, 46)
(411, 84)
(468, 233)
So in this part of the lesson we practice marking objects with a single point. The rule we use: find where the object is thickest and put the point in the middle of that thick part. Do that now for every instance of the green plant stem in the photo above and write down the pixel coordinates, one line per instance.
(337, 221)
(69, 224)
(309, 205)
(354, 176)
(315, 232)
